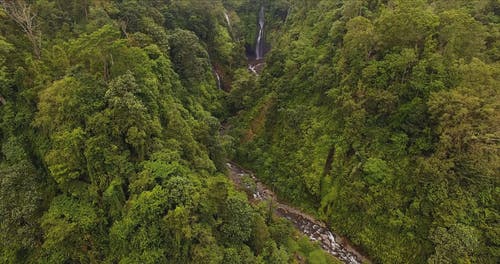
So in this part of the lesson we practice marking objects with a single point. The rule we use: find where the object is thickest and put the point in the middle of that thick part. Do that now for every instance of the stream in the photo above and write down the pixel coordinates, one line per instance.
(306, 224)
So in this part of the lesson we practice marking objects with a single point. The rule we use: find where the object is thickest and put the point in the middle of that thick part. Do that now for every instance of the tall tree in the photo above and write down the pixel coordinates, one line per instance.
(23, 14)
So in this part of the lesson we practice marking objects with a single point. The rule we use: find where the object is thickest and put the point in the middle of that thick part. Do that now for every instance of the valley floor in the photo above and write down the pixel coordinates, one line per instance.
(314, 229)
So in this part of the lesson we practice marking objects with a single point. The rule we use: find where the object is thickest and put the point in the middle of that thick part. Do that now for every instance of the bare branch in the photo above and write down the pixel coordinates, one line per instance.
(21, 13)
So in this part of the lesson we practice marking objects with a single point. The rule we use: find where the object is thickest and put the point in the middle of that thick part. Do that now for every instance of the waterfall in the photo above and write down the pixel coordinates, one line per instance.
(228, 21)
(259, 46)
(217, 77)
(256, 64)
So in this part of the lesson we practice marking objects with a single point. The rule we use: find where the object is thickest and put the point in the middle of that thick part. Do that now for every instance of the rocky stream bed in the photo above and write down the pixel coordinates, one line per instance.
(316, 230)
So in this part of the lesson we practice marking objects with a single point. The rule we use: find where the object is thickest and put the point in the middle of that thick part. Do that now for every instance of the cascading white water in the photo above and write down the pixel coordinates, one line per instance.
(217, 76)
(259, 46)
(252, 69)
(256, 64)
(228, 21)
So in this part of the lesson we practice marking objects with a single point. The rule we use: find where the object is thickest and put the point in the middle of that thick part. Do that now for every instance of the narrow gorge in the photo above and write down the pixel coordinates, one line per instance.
(249, 131)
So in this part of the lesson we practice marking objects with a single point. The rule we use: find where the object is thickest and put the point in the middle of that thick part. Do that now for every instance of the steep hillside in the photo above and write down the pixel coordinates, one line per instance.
(109, 137)
(383, 118)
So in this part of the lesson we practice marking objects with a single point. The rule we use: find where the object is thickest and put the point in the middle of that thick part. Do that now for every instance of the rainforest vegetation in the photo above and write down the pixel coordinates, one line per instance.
(117, 118)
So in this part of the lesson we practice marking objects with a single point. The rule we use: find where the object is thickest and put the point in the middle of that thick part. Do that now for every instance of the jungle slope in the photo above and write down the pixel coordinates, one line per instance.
(110, 149)
(383, 117)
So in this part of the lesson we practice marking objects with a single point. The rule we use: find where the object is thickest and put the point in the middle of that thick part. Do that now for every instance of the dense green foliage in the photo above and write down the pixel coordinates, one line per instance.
(110, 147)
(383, 116)
(380, 116)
